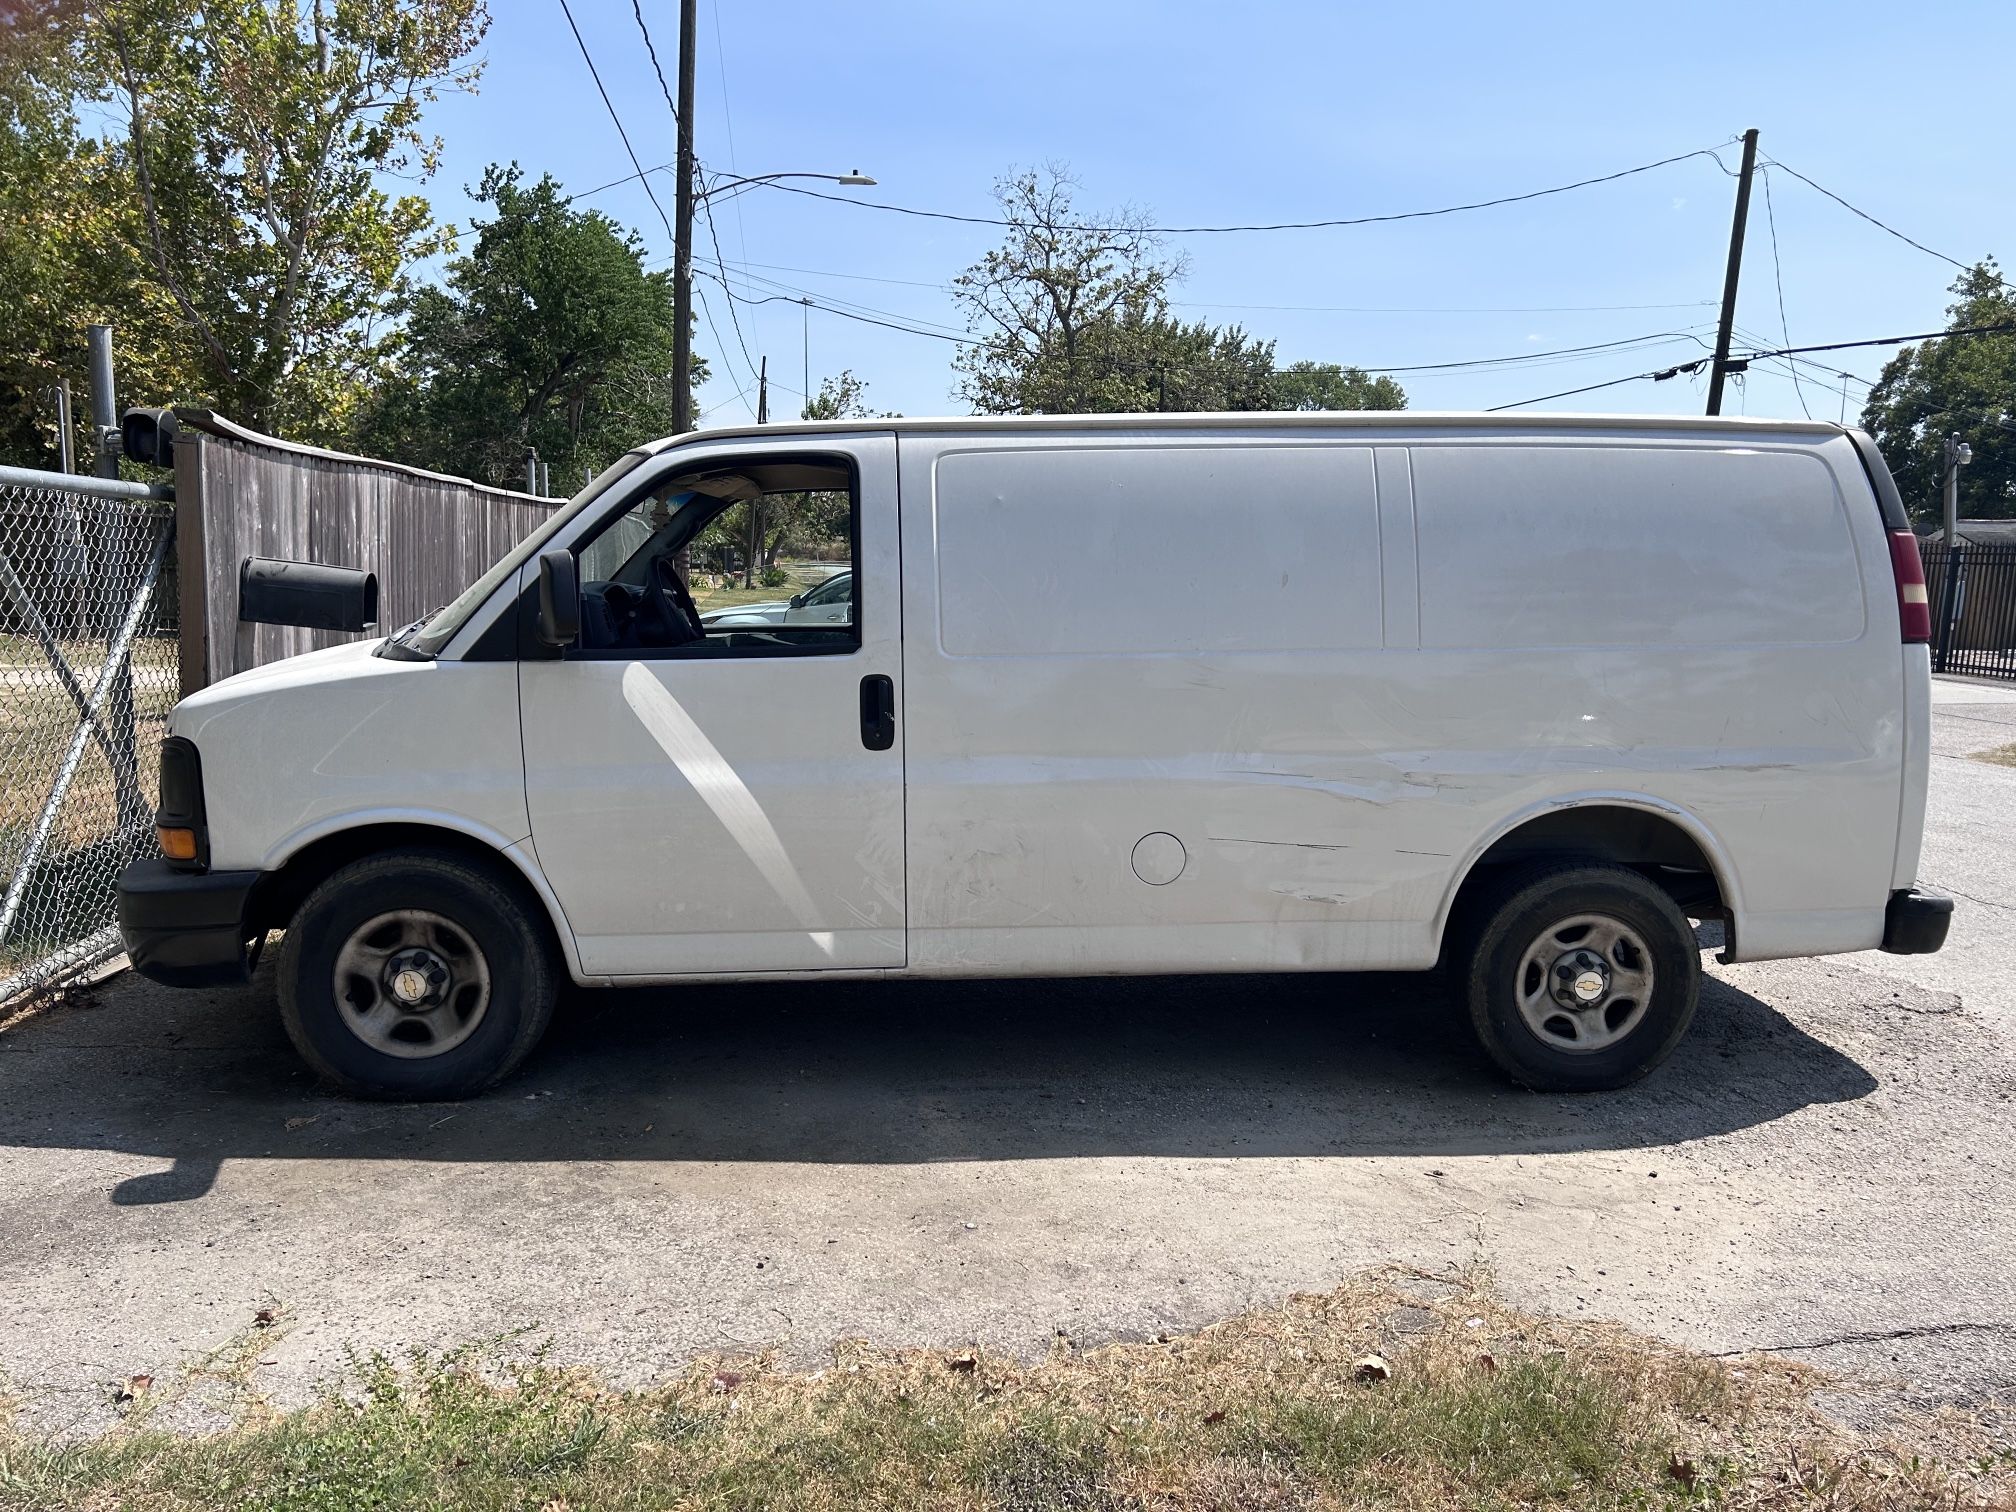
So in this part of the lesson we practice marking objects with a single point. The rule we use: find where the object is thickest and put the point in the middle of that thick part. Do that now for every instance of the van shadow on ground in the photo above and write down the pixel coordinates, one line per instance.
(1200, 1067)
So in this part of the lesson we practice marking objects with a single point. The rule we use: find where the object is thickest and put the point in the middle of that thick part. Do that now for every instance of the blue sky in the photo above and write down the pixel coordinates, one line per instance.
(1206, 114)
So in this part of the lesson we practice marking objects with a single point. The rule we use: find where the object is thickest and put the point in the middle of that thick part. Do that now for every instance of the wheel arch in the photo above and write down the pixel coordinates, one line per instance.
(1635, 829)
(302, 864)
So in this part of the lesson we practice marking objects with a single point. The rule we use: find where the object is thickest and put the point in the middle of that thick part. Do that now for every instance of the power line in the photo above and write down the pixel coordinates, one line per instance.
(1468, 364)
(1778, 276)
(595, 74)
(1763, 343)
(1652, 338)
(830, 301)
(1471, 364)
(627, 178)
(714, 236)
(663, 88)
(1315, 225)
(1205, 304)
(2000, 328)
(1590, 388)
(1879, 225)
(908, 283)
(727, 117)
(707, 311)
(1566, 354)
(724, 403)
(831, 310)
(1831, 372)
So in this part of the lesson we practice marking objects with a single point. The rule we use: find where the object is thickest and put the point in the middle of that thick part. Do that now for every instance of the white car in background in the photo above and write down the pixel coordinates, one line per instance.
(832, 602)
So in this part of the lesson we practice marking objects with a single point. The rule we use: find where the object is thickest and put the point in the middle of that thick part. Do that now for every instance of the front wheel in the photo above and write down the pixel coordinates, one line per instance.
(415, 976)
(1583, 976)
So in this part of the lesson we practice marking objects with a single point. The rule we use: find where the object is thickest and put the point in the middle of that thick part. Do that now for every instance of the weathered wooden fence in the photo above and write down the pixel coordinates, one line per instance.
(239, 494)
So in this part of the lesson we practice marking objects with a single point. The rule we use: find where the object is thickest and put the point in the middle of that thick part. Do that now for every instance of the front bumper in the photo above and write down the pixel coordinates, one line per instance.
(185, 929)
(1915, 923)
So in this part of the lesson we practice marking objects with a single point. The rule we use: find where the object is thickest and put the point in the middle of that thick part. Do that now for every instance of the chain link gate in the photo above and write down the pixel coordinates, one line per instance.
(88, 675)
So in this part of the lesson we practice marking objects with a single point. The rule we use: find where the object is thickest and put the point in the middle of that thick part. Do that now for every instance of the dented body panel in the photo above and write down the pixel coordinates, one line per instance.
(1336, 742)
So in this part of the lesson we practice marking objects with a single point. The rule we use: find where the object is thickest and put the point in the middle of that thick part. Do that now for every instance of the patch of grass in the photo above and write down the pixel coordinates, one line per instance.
(1483, 1408)
(2000, 756)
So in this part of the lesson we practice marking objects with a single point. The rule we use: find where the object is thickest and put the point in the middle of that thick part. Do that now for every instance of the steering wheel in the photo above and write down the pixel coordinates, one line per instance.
(681, 616)
(623, 605)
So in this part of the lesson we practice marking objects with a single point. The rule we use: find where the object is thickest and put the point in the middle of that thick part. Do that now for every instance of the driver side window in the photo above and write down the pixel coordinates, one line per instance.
(751, 558)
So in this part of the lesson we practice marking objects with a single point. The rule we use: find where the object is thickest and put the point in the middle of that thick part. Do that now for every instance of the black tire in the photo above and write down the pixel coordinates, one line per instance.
(1628, 1033)
(494, 938)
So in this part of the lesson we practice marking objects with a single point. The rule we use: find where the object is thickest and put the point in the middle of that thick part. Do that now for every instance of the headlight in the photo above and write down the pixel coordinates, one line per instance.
(180, 823)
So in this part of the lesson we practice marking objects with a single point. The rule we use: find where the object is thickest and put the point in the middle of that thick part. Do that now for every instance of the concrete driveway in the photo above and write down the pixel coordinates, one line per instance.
(1824, 1169)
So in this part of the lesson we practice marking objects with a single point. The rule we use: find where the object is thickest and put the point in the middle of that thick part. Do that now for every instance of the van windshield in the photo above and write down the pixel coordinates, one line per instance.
(441, 627)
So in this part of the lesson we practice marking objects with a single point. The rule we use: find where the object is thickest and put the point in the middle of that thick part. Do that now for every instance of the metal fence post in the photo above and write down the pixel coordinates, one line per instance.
(66, 438)
(1949, 608)
(104, 404)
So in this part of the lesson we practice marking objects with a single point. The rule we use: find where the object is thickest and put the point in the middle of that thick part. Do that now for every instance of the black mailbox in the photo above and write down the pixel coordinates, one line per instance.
(148, 435)
(306, 594)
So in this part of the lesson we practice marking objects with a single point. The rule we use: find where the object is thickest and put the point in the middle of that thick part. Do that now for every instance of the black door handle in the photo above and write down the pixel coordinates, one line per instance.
(878, 712)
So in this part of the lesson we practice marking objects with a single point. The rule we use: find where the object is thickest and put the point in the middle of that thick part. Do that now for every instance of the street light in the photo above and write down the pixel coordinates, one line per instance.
(1956, 454)
(682, 258)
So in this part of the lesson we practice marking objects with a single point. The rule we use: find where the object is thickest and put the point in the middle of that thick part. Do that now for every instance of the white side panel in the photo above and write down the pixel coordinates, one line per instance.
(1240, 717)
(1713, 627)
(1107, 551)
(1660, 547)
(1324, 800)
(326, 741)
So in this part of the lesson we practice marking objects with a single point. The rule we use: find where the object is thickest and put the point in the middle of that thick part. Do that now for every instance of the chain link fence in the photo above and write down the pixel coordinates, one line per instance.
(88, 674)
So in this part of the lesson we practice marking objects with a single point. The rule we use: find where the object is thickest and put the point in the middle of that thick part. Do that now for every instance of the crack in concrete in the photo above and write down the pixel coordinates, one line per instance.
(1884, 1336)
(1984, 902)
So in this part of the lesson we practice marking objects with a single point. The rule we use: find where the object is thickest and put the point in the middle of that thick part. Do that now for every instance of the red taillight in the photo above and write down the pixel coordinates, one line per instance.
(1914, 609)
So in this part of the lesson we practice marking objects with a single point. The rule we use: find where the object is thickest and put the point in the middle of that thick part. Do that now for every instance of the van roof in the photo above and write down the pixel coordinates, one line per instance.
(1469, 420)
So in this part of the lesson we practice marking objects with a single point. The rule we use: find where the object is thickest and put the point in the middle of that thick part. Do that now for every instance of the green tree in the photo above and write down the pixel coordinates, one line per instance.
(1326, 386)
(63, 264)
(1071, 314)
(549, 333)
(252, 136)
(1959, 385)
(1059, 307)
(843, 397)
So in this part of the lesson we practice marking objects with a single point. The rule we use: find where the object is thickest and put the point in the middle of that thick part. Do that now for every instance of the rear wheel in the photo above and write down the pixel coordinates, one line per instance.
(415, 976)
(1583, 976)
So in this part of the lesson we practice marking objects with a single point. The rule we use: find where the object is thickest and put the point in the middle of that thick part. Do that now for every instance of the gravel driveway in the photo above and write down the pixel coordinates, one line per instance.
(1824, 1169)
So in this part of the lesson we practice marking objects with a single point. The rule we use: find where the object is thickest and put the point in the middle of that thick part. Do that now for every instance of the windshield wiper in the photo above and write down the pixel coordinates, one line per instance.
(396, 647)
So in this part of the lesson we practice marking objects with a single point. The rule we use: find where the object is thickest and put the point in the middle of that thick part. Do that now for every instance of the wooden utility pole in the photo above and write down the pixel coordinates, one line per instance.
(1720, 370)
(682, 227)
(763, 391)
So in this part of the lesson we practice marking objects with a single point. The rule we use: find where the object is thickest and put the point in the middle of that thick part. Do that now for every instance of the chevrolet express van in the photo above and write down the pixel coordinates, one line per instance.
(1523, 694)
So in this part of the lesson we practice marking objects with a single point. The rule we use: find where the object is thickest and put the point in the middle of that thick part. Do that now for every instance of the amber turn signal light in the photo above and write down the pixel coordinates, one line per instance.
(177, 844)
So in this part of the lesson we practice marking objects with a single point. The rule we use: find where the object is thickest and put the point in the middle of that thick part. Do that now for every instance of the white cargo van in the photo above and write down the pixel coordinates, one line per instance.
(1115, 694)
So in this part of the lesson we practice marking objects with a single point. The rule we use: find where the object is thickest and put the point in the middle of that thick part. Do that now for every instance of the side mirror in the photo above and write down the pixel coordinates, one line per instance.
(559, 598)
(797, 601)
